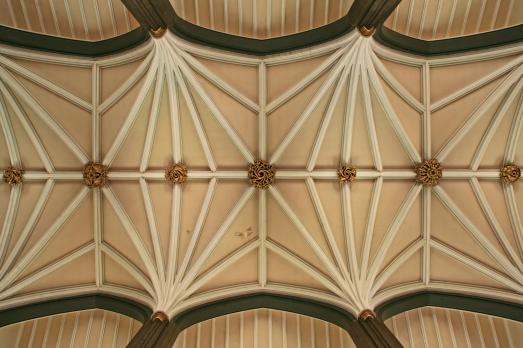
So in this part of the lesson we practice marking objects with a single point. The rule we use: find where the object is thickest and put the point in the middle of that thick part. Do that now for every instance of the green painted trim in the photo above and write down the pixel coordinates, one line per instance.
(55, 44)
(409, 44)
(212, 38)
(498, 308)
(71, 304)
(291, 304)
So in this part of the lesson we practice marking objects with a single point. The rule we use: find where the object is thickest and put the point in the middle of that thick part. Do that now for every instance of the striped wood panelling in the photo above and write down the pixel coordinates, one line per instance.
(90, 328)
(90, 20)
(440, 19)
(261, 18)
(263, 328)
(441, 327)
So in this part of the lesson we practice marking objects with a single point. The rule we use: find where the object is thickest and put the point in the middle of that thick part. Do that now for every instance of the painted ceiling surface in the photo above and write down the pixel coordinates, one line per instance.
(442, 327)
(174, 246)
(74, 19)
(442, 19)
(90, 328)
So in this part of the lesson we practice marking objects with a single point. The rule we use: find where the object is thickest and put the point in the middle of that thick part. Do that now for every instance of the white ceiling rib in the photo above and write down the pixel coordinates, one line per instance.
(172, 282)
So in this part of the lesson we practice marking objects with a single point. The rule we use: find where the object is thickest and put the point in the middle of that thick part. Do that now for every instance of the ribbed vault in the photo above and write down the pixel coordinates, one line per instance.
(173, 246)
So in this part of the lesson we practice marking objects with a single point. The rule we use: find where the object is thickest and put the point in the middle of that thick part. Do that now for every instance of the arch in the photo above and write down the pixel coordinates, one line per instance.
(111, 303)
(409, 44)
(311, 308)
(498, 308)
(212, 38)
(42, 42)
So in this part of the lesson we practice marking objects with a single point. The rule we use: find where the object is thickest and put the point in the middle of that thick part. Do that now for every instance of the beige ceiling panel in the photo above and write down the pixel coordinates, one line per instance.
(28, 154)
(330, 197)
(408, 233)
(408, 76)
(444, 269)
(410, 119)
(241, 77)
(391, 197)
(239, 117)
(193, 195)
(447, 229)
(496, 198)
(130, 153)
(393, 154)
(447, 79)
(115, 235)
(77, 272)
(161, 151)
(161, 193)
(361, 148)
(61, 75)
(60, 111)
(409, 272)
(226, 153)
(298, 152)
(243, 271)
(330, 151)
(192, 147)
(360, 195)
(495, 151)
(115, 274)
(112, 77)
(225, 198)
(463, 194)
(448, 121)
(75, 233)
(241, 233)
(282, 77)
(298, 196)
(282, 271)
(130, 196)
(30, 194)
(283, 118)
(114, 117)
(72, 118)
(282, 231)
(62, 195)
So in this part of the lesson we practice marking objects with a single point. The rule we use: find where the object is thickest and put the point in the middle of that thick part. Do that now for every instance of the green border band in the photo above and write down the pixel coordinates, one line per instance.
(212, 38)
(291, 304)
(36, 41)
(498, 308)
(409, 44)
(111, 303)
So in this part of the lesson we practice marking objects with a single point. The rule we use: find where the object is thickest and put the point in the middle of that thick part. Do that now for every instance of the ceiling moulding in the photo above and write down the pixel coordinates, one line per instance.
(111, 303)
(409, 44)
(35, 41)
(471, 303)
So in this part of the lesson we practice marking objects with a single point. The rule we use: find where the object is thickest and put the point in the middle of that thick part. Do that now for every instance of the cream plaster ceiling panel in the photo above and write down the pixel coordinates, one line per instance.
(440, 327)
(261, 19)
(174, 246)
(90, 328)
(264, 328)
(90, 20)
(441, 19)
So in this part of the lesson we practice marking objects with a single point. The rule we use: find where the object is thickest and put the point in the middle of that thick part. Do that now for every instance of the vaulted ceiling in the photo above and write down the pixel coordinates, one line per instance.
(350, 101)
